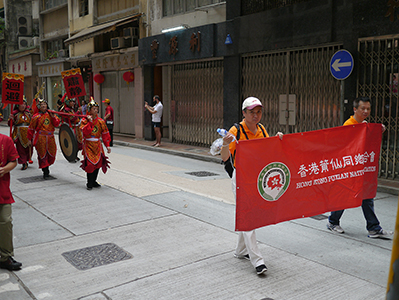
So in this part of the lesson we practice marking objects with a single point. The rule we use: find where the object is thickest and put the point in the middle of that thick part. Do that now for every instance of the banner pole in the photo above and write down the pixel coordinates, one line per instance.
(11, 121)
(393, 287)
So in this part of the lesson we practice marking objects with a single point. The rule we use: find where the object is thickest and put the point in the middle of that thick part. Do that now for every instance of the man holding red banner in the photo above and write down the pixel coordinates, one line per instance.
(248, 129)
(41, 131)
(361, 108)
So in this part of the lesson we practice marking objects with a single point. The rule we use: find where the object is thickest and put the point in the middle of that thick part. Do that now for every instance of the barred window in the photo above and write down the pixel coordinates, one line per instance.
(83, 8)
(173, 7)
(47, 4)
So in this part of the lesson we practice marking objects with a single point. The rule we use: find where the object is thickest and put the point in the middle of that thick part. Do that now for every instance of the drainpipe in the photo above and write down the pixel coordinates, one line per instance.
(393, 278)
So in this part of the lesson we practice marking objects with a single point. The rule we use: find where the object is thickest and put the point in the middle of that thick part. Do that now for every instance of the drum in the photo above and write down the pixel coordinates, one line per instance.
(68, 143)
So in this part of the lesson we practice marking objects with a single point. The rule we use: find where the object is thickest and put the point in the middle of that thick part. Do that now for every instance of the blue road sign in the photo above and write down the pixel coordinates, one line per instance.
(228, 40)
(341, 64)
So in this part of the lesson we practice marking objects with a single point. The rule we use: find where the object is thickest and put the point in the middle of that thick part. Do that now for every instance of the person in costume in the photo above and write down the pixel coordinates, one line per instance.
(94, 130)
(20, 118)
(72, 121)
(41, 135)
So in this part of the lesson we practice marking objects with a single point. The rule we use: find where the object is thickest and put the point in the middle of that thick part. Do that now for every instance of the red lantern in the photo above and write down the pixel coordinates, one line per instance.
(99, 78)
(128, 77)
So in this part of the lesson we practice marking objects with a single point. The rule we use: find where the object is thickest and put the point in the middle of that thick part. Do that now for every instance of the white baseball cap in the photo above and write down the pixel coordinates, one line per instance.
(251, 103)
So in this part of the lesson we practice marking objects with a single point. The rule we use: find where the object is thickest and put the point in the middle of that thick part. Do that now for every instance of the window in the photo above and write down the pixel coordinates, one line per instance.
(52, 48)
(172, 7)
(47, 4)
(83, 8)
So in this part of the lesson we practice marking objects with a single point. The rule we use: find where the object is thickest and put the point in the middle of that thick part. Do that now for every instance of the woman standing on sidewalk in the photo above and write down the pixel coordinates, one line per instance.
(156, 112)
(21, 119)
(94, 130)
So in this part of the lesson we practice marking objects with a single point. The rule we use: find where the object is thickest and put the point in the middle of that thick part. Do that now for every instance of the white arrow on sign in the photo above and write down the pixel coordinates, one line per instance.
(337, 65)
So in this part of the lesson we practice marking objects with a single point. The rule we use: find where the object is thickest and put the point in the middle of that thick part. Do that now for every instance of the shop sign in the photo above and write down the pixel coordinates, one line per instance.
(49, 70)
(116, 62)
(188, 44)
(21, 66)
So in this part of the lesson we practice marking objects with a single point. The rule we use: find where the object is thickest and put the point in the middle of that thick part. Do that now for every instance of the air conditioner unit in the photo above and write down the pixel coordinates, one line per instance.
(24, 42)
(130, 32)
(117, 43)
(63, 53)
(24, 25)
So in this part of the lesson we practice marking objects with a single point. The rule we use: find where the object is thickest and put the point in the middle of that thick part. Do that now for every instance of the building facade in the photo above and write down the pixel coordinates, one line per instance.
(281, 52)
(103, 39)
(204, 57)
(20, 49)
(181, 66)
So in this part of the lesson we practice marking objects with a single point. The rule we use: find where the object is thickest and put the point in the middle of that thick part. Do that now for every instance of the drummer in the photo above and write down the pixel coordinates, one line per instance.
(94, 130)
(20, 118)
(42, 129)
(72, 121)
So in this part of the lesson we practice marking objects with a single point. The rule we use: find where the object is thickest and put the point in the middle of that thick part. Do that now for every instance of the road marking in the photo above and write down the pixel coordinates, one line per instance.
(9, 287)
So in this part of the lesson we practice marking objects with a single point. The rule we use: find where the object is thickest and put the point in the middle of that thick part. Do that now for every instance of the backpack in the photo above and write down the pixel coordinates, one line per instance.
(229, 164)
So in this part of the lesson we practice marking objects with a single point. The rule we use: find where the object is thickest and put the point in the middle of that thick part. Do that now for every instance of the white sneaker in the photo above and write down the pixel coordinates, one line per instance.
(380, 234)
(246, 256)
(335, 228)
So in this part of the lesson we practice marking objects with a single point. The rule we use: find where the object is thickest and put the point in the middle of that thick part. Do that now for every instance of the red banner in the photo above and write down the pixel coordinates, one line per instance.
(73, 82)
(305, 174)
(12, 88)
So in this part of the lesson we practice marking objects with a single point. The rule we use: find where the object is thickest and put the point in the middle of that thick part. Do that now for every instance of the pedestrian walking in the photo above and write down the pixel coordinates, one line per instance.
(109, 119)
(248, 129)
(361, 109)
(8, 161)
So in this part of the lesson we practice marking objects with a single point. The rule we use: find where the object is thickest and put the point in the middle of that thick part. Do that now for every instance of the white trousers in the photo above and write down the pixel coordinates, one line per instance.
(247, 243)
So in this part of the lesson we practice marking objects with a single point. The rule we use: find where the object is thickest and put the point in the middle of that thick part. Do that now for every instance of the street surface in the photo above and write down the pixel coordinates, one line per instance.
(172, 237)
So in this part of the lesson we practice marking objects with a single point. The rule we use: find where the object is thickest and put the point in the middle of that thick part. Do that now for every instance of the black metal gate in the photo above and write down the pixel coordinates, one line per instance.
(378, 80)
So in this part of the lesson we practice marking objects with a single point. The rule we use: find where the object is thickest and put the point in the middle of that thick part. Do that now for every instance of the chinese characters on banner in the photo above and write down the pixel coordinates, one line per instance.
(73, 83)
(12, 89)
(305, 174)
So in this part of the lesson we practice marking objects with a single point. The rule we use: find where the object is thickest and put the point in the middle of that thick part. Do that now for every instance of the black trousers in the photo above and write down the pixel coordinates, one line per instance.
(92, 178)
(111, 133)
